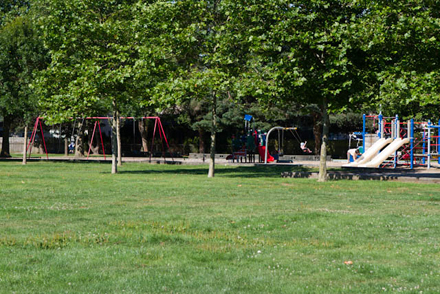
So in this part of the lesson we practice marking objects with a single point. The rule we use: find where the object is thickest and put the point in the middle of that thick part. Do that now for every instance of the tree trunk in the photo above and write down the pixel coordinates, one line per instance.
(5, 143)
(114, 139)
(118, 136)
(40, 147)
(79, 143)
(143, 129)
(325, 129)
(317, 130)
(25, 145)
(201, 141)
(211, 171)
(95, 149)
(66, 146)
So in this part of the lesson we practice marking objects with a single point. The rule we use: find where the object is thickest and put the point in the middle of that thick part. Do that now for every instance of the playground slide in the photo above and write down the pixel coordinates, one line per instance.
(381, 157)
(262, 152)
(370, 153)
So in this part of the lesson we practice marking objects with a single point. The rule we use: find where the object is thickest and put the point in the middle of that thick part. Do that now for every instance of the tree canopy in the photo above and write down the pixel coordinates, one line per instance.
(402, 41)
(21, 55)
(97, 60)
(321, 56)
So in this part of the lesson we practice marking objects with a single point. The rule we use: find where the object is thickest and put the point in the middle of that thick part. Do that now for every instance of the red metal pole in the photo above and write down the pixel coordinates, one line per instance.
(44, 142)
(91, 141)
(163, 132)
(33, 137)
(122, 117)
(165, 137)
(161, 138)
(102, 142)
(33, 134)
(154, 134)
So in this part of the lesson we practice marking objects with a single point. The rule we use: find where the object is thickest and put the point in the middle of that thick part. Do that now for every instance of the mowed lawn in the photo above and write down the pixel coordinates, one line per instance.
(74, 227)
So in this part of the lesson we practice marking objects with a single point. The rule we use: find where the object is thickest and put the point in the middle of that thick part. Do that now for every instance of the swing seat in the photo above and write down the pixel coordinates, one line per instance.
(306, 151)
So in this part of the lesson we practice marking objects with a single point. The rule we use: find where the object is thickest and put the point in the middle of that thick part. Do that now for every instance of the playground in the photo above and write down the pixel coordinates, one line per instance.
(393, 143)
(394, 150)
(167, 228)
(384, 142)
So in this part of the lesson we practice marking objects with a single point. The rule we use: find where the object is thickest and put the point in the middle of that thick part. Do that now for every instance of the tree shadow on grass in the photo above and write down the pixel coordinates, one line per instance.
(258, 171)
(231, 172)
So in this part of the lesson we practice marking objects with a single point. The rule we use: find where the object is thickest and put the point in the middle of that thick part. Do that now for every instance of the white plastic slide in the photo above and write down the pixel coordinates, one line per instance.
(381, 157)
(370, 153)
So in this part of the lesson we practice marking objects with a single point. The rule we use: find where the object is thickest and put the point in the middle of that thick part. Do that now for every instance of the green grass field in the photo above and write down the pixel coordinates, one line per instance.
(74, 227)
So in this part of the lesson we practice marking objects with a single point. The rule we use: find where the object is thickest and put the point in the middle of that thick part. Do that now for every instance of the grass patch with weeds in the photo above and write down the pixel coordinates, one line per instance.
(158, 228)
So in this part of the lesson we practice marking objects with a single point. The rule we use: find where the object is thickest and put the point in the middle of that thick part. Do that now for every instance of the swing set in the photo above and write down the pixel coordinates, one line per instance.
(294, 132)
(157, 127)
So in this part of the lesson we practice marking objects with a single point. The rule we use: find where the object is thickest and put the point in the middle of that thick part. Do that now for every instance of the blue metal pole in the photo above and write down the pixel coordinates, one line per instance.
(364, 120)
(438, 147)
(412, 143)
(380, 133)
(429, 143)
(424, 145)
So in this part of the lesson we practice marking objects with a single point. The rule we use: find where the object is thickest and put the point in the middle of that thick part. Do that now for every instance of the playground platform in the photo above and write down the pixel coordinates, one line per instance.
(404, 175)
(294, 158)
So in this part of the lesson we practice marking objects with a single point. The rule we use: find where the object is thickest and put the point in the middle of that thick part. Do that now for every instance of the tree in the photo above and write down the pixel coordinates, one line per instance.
(94, 50)
(201, 42)
(21, 55)
(195, 113)
(304, 51)
(402, 41)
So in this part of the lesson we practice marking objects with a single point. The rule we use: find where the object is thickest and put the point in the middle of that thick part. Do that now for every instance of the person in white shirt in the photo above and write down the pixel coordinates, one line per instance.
(304, 147)
(353, 153)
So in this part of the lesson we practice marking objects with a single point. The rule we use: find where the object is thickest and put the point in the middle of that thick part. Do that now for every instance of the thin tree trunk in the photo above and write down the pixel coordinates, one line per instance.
(114, 139)
(25, 145)
(95, 148)
(66, 146)
(143, 129)
(79, 144)
(5, 143)
(211, 171)
(317, 130)
(40, 147)
(201, 141)
(325, 129)
(118, 136)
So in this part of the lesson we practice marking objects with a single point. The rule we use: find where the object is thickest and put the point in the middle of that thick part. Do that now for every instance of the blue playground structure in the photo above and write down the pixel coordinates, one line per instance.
(407, 143)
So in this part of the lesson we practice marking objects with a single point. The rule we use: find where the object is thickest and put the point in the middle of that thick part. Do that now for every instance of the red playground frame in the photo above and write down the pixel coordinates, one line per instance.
(157, 125)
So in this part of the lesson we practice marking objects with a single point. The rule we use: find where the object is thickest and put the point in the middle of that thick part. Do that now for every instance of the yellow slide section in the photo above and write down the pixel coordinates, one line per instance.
(370, 153)
(381, 157)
